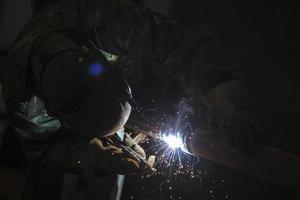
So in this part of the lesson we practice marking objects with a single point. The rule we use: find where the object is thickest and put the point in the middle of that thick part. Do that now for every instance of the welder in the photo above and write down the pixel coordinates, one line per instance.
(78, 68)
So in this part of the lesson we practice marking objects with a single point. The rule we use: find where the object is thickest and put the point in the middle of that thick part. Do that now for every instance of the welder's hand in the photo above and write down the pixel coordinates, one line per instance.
(107, 156)
(133, 143)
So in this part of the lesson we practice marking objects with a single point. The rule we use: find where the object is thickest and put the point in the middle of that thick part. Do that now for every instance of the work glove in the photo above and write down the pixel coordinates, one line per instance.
(134, 144)
(120, 157)
(97, 156)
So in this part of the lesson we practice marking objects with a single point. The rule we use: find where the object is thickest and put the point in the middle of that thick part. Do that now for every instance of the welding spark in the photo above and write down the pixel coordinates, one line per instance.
(173, 161)
(173, 141)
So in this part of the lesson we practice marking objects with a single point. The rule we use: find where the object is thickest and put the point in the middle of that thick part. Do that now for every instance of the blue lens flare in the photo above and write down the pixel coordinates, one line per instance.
(96, 69)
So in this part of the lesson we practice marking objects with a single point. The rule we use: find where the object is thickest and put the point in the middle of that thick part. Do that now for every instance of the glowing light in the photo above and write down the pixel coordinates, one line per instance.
(96, 69)
(173, 141)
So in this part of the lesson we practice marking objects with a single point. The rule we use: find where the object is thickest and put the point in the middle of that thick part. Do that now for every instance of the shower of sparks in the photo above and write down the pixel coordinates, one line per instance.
(170, 148)
(173, 160)
(174, 164)
(173, 141)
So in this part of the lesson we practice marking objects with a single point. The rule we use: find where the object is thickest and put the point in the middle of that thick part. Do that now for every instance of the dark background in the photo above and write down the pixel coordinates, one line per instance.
(260, 36)
(263, 37)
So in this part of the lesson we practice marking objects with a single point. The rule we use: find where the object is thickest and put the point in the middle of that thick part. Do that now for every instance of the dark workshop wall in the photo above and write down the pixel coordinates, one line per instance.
(161, 6)
(13, 16)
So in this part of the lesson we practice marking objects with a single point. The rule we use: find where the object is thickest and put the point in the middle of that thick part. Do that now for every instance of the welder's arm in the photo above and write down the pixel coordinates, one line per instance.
(217, 90)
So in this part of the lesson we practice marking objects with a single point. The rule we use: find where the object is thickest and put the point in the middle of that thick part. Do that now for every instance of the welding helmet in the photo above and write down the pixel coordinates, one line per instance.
(91, 98)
